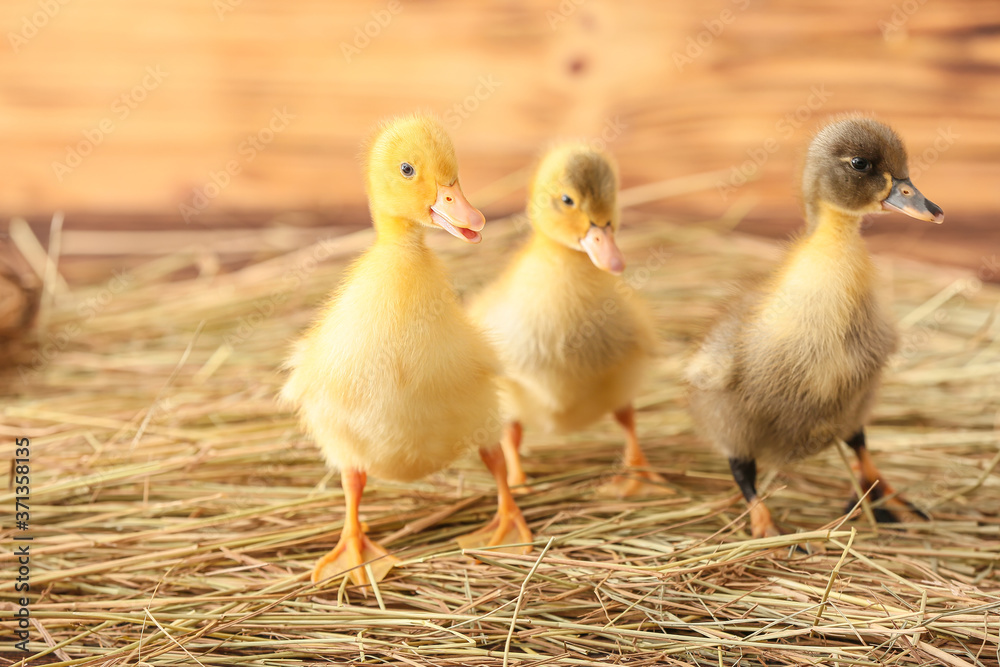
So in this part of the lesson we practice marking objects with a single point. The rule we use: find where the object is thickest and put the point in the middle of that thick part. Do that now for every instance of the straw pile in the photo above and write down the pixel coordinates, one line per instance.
(176, 513)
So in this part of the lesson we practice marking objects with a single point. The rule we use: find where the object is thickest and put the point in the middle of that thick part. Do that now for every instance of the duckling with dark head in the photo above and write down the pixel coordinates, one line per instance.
(795, 364)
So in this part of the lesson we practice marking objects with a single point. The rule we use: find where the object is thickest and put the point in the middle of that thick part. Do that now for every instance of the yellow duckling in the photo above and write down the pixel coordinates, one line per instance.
(795, 365)
(393, 379)
(573, 340)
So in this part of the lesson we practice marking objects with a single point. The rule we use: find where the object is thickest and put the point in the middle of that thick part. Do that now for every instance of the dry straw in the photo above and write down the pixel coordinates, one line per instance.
(177, 512)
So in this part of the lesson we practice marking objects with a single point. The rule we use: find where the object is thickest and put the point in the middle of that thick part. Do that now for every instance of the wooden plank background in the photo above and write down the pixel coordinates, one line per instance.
(160, 94)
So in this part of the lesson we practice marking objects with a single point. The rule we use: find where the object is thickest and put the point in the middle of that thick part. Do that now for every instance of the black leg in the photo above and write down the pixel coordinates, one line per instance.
(745, 474)
(858, 444)
(857, 441)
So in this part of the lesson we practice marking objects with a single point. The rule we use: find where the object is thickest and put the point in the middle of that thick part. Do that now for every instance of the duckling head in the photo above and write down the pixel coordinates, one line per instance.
(573, 201)
(412, 179)
(857, 165)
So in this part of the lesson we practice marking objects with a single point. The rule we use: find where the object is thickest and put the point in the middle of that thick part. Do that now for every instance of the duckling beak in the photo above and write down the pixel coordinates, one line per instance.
(905, 198)
(453, 213)
(599, 244)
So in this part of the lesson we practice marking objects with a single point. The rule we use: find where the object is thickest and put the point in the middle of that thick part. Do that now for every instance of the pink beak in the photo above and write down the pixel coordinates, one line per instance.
(454, 214)
(599, 244)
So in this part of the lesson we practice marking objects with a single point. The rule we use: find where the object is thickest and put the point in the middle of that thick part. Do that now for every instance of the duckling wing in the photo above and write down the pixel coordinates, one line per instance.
(714, 366)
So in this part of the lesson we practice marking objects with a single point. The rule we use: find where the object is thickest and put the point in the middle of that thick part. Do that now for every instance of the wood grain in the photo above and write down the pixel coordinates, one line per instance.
(508, 77)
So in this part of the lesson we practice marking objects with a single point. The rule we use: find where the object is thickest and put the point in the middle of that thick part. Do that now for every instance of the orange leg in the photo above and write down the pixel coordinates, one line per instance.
(761, 523)
(638, 481)
(868, 475)
(511, 445)
(745, 473)
(354, 549)
(508, 525)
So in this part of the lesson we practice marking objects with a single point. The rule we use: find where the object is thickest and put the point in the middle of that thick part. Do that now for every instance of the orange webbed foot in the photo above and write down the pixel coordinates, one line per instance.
(507, 527)
(354, 549)
(894, 506)
(761, 523)
(349, 557)
(637, 480)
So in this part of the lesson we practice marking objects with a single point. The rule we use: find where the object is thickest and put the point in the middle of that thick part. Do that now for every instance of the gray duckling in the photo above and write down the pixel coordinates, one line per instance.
(796, 362)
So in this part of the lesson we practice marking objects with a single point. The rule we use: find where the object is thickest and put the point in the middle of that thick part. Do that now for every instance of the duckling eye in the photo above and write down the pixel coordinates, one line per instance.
(407, 170)
(567, 200)
(860, 164)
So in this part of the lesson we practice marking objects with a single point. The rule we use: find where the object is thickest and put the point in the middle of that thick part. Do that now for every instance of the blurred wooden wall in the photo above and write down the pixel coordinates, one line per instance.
(165, 93)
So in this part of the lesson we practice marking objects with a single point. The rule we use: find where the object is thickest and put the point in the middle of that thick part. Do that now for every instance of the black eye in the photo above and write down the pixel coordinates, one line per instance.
(860, 164)
(567, 200)
(407, 170)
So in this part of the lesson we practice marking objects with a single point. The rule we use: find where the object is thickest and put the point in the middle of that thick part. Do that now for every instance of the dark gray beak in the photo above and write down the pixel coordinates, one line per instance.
(905, 198)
